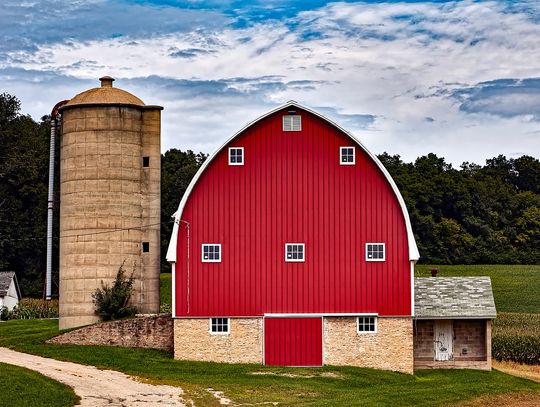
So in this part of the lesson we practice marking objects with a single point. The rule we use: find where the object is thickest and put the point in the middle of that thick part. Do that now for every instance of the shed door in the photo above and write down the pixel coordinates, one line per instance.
(293, 341)
(444, 340)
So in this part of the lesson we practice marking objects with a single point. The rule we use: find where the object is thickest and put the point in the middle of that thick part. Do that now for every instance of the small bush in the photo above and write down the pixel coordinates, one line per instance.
(112, 302)
(5, 314)
(165, 308)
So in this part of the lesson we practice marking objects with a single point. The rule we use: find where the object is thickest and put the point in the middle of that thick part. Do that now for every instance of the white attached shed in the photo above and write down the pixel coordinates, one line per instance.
(9, 290)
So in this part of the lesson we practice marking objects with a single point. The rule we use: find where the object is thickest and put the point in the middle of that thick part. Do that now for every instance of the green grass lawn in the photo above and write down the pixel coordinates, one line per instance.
(329, 386)
(26, 388)
(166, 288)
(516, 287)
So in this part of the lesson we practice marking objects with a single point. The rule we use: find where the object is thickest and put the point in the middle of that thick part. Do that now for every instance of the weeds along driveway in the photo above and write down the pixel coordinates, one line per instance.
(97, 387)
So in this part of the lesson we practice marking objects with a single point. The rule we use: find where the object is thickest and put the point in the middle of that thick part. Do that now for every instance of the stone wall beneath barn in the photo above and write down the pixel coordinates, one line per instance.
(244, 343)
(153, 332)
(390, 348)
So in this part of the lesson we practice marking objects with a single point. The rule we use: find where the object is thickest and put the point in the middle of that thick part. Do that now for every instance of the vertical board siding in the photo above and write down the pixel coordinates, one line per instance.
(292, 189)
(293, 341)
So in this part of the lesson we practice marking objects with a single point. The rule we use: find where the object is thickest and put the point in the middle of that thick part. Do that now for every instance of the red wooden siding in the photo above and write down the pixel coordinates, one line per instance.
(293, 341)
(292, 189)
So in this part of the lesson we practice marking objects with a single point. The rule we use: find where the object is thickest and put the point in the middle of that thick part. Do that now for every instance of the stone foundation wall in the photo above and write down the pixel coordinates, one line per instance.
(154, 332)
(390, 348)
(244, 344)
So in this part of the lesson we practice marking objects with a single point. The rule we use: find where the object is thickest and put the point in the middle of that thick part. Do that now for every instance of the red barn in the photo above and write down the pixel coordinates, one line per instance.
(293, 246)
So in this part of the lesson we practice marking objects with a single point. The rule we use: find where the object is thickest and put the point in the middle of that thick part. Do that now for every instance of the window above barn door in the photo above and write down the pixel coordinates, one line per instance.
(295, 252)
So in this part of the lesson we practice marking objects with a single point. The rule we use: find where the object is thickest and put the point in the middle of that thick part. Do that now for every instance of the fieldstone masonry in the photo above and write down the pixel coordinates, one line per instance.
(193, 341)
(390, 348)
(154, 332)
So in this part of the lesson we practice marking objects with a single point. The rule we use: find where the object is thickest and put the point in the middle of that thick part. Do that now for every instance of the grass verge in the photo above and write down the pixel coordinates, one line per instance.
(26, 388)
(257, 384)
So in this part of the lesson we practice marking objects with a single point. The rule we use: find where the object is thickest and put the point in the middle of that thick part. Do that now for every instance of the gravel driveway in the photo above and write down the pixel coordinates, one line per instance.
(97, 387)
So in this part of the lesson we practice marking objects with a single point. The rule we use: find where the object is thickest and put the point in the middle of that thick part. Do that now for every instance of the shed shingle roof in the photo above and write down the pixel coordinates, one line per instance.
(453, 298)
(5, 281)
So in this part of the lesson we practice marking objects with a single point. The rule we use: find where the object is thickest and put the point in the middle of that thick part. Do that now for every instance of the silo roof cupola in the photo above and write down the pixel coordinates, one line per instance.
(106, 94)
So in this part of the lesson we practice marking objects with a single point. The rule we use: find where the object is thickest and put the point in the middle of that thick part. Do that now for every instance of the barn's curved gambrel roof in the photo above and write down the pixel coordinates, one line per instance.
(413, 249)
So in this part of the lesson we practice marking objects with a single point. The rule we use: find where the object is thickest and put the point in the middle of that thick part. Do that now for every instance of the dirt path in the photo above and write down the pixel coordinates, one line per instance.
(96, 387)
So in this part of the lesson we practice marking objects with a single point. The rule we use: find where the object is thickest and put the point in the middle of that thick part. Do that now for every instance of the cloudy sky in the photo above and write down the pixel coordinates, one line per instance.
(461, 79)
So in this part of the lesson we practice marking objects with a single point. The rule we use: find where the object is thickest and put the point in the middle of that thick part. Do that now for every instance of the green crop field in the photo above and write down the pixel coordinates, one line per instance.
(26, 388)
(516, 287)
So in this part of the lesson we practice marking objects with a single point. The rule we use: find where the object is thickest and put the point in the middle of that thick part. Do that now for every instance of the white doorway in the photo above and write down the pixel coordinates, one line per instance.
(444, 340)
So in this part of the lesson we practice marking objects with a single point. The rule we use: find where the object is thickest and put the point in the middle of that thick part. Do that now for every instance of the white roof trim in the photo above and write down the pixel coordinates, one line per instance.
(413, 249)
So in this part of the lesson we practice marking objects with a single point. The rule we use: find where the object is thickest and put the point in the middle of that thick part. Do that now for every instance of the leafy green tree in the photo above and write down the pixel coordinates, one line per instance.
(24, 161)
(177, 170)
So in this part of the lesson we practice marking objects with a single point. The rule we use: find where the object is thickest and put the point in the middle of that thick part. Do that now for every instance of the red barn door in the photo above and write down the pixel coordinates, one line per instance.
(293, 341)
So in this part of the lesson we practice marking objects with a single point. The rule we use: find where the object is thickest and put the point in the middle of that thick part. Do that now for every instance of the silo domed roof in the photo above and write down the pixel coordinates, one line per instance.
(105, 95)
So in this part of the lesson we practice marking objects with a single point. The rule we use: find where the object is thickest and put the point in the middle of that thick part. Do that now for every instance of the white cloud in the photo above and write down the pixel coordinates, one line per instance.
(360, 59)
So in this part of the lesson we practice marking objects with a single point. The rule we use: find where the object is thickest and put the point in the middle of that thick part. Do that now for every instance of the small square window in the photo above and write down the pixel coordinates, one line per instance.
(292, 122)
(211, 253)
(236, 155)
(146, 161)
(366, 325)
(347, 155)
(220, 326)
(145, 247)
(375, 252)
(294, 252)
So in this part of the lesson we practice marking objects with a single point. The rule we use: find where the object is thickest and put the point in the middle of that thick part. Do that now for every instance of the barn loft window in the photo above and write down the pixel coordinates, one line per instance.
(292, 122)
(236, 155)
(211, 253)
(219, 326)
(375, 252)
(294, 252)
(366, 324)
(346, 155)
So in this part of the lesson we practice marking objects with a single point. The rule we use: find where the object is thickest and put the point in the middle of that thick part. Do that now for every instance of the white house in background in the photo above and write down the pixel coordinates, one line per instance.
(9, 290)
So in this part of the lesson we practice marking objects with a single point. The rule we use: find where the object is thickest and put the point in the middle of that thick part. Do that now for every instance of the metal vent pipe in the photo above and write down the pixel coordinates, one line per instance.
(50, 201)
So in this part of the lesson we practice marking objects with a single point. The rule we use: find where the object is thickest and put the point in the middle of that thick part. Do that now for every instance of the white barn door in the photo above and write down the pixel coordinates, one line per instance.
(444, 340)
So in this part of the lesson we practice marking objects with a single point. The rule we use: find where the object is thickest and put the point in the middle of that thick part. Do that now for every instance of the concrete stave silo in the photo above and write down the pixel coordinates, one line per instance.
(110, 163)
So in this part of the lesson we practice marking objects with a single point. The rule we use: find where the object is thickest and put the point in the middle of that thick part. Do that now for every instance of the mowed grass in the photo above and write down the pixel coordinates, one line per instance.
(327, 386)
(26, 388)
(516, 288)
(166, 288)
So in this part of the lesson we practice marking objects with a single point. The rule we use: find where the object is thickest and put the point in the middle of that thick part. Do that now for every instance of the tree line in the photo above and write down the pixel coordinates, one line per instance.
(472, 214)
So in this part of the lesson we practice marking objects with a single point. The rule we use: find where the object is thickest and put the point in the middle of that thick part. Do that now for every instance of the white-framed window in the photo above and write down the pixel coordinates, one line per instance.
(347, 155)
(295, 252)
(220, 326)
(366, 325)
(375, 252)
(292, 122)
(236, 155)
(211, 253)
